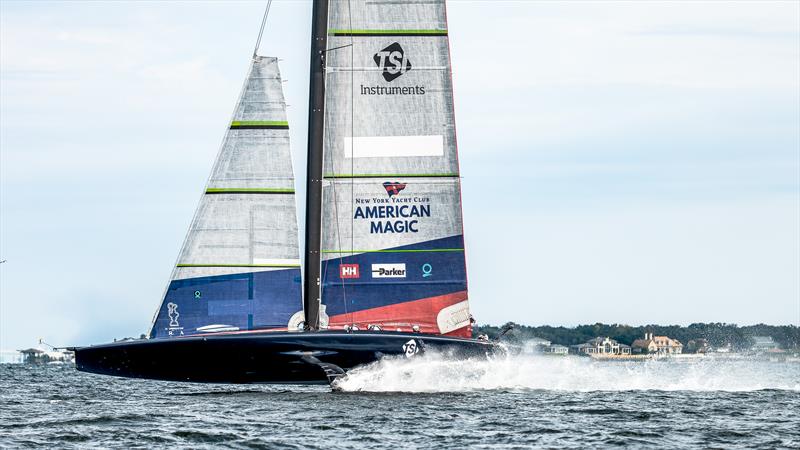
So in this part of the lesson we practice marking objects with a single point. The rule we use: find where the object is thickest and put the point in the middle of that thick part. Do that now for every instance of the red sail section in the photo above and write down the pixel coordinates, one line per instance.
(425, 313)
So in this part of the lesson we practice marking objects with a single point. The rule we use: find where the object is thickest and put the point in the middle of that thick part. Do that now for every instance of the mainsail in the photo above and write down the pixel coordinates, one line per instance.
(392, 239)
(239, 268)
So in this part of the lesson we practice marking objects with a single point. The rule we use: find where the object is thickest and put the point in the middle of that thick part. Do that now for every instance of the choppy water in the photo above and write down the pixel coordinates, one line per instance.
(427, 403)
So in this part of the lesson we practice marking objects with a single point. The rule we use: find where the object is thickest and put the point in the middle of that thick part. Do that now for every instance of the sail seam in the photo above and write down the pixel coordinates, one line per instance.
(249, 191)
(259, 124)
(363, 32)
(237, 265)
(431, 250)
(403, 175)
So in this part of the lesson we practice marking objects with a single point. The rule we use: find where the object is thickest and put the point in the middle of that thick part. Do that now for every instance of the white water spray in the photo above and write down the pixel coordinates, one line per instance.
(438, 373)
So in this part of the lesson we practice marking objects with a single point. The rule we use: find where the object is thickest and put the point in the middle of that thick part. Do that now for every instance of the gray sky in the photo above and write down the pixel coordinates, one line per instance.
(633, 162)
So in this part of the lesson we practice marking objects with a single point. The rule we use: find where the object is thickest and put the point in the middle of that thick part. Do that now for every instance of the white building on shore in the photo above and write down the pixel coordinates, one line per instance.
(661, 345)
(601, 346)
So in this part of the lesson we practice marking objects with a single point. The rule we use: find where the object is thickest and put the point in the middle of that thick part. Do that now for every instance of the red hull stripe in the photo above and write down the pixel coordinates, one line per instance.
(403, 316)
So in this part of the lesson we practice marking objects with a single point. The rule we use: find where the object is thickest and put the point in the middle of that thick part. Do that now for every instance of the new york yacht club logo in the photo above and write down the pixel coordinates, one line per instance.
(399, 213)
(393, 188)
(393, 62)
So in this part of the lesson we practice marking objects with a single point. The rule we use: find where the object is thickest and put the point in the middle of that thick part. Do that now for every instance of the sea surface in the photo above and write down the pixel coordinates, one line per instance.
(431, 402)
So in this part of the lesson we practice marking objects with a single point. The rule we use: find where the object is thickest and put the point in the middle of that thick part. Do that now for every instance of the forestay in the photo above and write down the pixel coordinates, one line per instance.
(392, 243)
(239, 267)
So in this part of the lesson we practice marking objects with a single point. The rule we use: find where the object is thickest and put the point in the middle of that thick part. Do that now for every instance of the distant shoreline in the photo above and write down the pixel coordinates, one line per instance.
(717, 335)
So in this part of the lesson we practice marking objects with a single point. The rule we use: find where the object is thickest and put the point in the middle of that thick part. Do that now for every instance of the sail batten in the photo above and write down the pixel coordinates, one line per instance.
(383, 33)
(384, 175)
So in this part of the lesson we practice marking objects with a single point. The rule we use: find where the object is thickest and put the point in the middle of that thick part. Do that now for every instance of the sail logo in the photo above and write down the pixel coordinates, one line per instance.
(389, 270)
(410, 348)
(173, 314)
(427, 270)
(174, 328)
(393, 188)
(393, 61)
(396, 214)
(349, 271)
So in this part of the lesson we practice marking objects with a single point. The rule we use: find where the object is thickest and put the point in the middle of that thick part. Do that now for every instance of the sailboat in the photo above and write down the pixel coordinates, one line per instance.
(385, 270)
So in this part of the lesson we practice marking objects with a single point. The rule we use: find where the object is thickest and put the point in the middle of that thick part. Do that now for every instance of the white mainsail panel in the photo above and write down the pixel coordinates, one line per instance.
(392, 239)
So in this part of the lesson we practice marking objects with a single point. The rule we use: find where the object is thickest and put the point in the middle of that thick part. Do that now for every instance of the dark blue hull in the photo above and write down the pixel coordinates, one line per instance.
(274, 357)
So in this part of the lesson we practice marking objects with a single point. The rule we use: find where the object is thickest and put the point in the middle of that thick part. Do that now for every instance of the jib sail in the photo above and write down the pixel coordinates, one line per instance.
(239, 267)
(392, 243)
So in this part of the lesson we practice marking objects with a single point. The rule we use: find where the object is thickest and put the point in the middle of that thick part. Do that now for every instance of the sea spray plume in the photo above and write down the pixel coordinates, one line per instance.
(442, 373)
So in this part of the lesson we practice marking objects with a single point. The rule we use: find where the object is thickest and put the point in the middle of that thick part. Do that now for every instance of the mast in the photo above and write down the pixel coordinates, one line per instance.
(316, 114)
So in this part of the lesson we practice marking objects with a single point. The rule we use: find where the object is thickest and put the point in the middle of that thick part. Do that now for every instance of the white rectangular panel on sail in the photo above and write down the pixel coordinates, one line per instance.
(284, 262)
(393, 146)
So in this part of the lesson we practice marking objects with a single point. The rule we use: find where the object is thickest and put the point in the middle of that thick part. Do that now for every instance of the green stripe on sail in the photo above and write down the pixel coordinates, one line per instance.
(259, 123)
(238, 265)
(433, 250)
(390, 175)
(362, 32)
(249, 191)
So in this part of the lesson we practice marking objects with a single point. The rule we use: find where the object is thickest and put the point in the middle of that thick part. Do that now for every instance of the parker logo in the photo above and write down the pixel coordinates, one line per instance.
(393, 61)
(349, 271)
(389, 270)
(393, 188)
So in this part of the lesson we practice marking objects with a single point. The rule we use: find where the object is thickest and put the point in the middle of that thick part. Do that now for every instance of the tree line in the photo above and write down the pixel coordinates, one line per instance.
(717, 334)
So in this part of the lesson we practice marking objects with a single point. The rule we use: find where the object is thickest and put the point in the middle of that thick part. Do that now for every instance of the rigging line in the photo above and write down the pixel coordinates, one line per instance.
(261, 31)
(337, 48)
(335, 203)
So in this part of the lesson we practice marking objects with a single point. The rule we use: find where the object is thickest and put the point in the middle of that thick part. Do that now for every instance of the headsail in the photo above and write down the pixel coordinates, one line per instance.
(239, 268)
(392, 242)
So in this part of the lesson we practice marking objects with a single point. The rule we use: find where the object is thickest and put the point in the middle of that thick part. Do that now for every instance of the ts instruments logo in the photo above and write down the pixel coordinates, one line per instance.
(393, 61)
(349, 271)
(393, 188)
(411, 348)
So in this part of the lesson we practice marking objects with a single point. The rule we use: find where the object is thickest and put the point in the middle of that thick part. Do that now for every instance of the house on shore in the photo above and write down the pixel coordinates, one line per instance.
(601, 346)
(555, 349)
(535, 345)
(660, 345)
(763, 344)
(698, 346)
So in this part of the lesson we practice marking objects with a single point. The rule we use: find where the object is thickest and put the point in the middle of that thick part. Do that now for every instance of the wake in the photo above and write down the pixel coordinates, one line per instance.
(439, 373)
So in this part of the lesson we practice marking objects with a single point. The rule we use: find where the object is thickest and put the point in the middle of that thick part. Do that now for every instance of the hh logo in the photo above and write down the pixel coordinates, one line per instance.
(349, 271)
(393, 61)
(393, 188)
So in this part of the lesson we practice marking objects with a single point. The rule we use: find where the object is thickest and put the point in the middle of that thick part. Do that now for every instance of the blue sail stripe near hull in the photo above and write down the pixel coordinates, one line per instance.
(428, 274)
(255, 300)
(268, 299)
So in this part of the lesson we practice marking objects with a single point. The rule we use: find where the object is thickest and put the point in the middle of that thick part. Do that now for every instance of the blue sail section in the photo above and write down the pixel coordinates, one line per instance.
(242, 301)
(423, 270)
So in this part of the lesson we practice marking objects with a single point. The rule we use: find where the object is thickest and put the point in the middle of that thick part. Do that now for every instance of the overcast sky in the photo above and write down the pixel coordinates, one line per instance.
(632, 162)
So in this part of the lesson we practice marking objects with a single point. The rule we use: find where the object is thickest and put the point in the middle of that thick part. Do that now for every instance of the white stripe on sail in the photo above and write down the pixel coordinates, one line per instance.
(276, 262)
(216, 328)
(392, 146)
